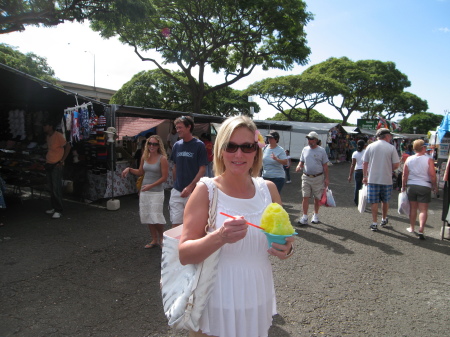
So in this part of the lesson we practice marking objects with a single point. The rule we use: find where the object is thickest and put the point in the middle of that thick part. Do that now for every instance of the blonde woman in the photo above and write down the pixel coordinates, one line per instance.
(155, 168)
(242, 301)
(419, 179)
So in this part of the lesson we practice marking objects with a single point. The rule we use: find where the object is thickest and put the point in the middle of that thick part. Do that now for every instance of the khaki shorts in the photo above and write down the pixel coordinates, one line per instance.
(312, 186)
(176, 207)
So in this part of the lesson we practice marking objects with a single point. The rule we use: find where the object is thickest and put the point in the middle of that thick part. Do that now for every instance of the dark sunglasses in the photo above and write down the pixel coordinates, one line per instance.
(154, 144)
(246, 148)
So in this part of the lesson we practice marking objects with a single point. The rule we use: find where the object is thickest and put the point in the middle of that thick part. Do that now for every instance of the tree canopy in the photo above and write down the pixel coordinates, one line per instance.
(28, 63)
(16, 14)
(423, 121)
(299, 115)
(230, 37)
(154, 89)
(295, 96)
(362, 84)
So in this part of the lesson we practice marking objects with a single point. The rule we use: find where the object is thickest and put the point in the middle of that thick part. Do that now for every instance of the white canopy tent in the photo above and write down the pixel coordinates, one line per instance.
(293, 134)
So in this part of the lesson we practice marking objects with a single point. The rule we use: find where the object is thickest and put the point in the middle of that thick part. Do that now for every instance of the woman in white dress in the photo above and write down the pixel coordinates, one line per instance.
(242, 302)
(155, 168)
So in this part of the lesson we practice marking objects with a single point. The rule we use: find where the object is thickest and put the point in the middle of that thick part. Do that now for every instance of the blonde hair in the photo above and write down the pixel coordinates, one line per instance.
(161, 149)
(227, 128)
(418, 145)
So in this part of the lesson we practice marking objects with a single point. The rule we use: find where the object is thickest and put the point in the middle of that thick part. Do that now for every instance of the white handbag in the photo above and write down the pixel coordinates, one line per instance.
(186, 289)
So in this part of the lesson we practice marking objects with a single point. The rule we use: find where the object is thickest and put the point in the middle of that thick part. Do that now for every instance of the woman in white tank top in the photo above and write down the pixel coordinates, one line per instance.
(419, 176)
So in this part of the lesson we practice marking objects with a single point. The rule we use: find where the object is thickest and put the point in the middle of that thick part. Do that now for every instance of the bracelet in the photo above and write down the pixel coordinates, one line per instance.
(290, 251)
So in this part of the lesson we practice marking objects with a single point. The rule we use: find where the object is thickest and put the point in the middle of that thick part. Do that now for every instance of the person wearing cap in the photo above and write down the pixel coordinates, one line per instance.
(430, 152)
(58, 150)
(314, 163)
(274, 157)
(380, 160)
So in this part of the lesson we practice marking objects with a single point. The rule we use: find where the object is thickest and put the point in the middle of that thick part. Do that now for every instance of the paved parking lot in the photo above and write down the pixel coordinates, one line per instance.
(87, 274)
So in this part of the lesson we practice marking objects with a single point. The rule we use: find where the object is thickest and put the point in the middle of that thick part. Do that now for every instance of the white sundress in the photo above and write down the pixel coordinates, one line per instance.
(243, 301)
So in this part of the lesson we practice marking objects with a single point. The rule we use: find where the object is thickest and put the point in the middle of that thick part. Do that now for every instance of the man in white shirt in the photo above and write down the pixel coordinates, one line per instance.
(314, 163)
(380, 160)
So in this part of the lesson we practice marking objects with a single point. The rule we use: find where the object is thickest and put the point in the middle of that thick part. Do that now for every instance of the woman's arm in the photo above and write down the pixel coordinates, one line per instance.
(432, 174)
(405, 176)
(137, 172)
(195, 246)
(447, 168)
(273, 192)
(352, 169)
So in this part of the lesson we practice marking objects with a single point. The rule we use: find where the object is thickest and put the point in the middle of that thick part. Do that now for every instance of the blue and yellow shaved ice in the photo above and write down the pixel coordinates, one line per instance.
(275, 220)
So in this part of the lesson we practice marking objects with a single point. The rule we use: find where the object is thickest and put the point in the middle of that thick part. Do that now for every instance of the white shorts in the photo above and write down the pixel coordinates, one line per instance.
(176, 207)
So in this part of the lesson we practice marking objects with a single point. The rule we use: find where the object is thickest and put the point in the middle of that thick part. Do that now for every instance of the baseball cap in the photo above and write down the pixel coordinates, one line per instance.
(383, 131)
(312, 135)
(273, 134)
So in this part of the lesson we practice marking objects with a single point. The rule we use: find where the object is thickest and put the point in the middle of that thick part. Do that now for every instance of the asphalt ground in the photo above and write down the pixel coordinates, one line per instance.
(88, 274)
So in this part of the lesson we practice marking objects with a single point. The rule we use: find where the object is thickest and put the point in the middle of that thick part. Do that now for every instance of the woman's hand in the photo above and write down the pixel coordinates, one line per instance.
(125, 172)
(147, 187)
(282, 251)
(233, 230)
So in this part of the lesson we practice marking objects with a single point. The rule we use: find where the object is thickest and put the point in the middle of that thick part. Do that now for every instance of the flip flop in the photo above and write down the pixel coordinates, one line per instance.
(151, 245)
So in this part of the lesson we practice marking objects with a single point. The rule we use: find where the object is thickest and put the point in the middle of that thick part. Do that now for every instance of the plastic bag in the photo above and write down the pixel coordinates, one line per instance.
(330, 199)
(362, 202)
(403, 204)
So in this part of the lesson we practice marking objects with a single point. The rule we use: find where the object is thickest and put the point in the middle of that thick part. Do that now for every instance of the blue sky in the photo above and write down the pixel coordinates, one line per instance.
(415, 34)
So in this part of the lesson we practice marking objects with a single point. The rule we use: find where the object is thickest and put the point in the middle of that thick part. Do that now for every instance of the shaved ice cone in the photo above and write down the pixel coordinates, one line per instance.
(276, 224)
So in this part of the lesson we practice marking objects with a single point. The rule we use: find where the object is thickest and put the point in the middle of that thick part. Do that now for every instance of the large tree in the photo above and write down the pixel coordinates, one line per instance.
(230, 38)
(360, 82)
(295, 96)
(299, 115)
(28, 63)
(15, 15)
(154, 89)
(423, 122)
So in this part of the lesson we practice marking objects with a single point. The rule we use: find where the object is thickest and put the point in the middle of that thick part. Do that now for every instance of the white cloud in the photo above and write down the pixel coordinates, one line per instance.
(445, 30)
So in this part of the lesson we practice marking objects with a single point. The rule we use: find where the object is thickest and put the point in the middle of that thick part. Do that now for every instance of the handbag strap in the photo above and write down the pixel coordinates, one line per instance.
(212, 212)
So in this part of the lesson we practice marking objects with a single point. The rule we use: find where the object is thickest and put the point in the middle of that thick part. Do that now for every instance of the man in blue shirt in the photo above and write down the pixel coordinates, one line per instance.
(190, 160)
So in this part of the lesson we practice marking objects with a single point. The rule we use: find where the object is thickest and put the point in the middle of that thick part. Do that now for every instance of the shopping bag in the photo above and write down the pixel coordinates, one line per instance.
(323, 200)
(186, 288)
(362, 202)
(330, 199)
(403, 204)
